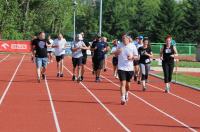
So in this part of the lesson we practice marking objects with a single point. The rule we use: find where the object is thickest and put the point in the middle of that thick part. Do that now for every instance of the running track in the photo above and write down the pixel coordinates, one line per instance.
(58, 104)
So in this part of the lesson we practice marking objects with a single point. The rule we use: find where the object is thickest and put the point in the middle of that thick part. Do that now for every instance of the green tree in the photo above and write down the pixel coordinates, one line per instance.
(167, 21)
(191, 23)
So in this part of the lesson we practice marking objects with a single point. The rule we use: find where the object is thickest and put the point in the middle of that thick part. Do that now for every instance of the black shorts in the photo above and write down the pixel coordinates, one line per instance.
(49, 52)
(97, 64)
(125, 75)
(84, 60)
(115, 61)
(59, 58)
(77, 61)
(136, 62)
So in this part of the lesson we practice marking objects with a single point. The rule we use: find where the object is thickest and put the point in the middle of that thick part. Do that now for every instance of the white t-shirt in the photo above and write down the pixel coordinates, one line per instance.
(78, 53)
(60, 50)
(123, 62)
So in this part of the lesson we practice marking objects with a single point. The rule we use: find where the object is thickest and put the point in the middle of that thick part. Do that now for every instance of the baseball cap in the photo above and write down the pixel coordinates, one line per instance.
(141, 37)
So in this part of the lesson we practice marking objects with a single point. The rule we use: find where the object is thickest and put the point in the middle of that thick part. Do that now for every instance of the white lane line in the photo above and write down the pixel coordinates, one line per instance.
(177, 96)
(11, 80)
(154, 107)
(97, 99)
(52, 107)
(4, 58)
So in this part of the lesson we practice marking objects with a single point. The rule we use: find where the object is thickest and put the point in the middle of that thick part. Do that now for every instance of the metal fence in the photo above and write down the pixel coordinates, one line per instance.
(183, 48)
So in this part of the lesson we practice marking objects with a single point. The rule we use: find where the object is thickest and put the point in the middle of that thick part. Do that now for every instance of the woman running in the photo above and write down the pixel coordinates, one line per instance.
(167, 54)
(145, 55)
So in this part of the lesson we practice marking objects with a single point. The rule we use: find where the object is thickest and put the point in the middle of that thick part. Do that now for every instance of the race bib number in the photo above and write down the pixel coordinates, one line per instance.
(147, 60)
(168, 51)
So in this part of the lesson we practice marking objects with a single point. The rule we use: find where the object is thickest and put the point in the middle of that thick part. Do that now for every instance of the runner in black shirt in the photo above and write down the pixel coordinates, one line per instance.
(99, 48)
(40, 51)
(167, 55)
(145, 55)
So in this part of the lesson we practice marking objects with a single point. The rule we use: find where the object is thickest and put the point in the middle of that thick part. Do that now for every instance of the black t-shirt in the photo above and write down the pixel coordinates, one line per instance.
(84, 52)
(40, 47)
(144, 59)
(167, 52)
(98, 53)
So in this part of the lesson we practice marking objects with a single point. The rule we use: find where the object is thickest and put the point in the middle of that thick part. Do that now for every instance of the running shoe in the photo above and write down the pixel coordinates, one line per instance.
(144, 88)
(58, 74)
(135, 78)
(123, 100)
(167, 89)
(43, 76)
(97, 79)
(74, 78)
(81, 78)
(61, 75)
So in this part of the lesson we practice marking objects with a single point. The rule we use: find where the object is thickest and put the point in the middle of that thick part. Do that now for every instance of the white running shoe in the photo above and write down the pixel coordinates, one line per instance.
(123, 100)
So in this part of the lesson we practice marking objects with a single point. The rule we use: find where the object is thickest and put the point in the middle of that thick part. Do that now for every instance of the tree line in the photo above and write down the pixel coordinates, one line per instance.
(20, 19)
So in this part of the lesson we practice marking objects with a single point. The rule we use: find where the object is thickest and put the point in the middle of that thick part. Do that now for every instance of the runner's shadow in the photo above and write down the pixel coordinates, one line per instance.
(27, 81)
(98, 89)
(155, 125)
(81, 102)
(147, 91)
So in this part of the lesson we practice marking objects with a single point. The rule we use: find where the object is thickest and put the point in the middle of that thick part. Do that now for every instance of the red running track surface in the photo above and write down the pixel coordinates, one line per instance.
(89, 106)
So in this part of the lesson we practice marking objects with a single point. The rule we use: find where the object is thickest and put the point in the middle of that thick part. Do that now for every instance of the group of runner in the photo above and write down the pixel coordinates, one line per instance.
(131, 58)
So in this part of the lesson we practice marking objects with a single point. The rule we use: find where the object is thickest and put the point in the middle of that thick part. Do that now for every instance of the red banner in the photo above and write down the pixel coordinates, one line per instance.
(15, 46)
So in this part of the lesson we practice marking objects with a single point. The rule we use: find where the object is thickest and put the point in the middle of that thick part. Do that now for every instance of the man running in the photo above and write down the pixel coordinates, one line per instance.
(77, 57)
(99, 48)
(40, 52)
(60, 46)
(126, 52)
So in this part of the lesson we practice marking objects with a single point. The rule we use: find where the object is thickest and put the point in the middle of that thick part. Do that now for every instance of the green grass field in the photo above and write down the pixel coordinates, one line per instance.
(188, 64)
(186, 79)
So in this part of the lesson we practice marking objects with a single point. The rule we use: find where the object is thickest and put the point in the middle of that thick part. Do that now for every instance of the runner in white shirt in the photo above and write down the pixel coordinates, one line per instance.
(126, 52)
(77, 56)
(60, 45)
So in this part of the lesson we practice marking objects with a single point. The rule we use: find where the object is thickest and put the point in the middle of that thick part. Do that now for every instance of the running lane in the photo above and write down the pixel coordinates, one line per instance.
(24, 108)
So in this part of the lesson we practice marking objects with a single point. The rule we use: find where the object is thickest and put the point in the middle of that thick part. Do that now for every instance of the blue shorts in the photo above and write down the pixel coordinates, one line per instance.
(41, 62)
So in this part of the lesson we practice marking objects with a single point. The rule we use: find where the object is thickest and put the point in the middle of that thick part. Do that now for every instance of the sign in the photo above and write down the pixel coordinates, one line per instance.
(15, 46)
